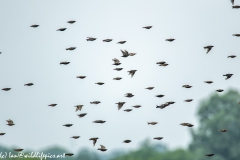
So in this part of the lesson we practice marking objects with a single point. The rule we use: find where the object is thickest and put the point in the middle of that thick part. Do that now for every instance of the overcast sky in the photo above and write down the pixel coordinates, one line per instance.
(33, 55)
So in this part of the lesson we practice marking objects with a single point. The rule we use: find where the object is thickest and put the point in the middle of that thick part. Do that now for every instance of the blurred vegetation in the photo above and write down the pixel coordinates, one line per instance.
(219, 111)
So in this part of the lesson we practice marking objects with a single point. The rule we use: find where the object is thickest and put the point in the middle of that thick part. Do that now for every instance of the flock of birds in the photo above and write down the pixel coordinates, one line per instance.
(125, 54)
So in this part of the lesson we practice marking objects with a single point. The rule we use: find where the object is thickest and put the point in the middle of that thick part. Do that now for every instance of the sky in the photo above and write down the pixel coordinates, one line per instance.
(33, 55)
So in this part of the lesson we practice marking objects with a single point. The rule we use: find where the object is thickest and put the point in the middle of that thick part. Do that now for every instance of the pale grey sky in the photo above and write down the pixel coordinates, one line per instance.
(33, 55)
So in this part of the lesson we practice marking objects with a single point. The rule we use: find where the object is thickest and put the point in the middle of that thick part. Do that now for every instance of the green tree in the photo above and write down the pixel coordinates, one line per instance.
(215, 113)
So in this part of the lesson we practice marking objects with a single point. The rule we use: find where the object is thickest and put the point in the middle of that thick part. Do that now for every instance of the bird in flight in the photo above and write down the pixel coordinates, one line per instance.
(120, 104)
(170, 39)
(129, 95)
(82, 115)
(81, 77)
(75, 137)
(236, 7)
(18, 149)
(28, 84)
(152, 123)
(187, 86)
(223, 130)
(6, 89)
(102, 148)
(118, 69)
(71, 48)
(132, 72)
(99, 83)
(137, 106)
(78, 107)
(149, 88)
(236, 35)
(107, 40)
(188, 100)
(95, 102)
(147, 27)
(116, 62)
(128, 110)
(34, 25)
(61, 29)
(219, 90)
(126, 141)
(1, 134)
(69, 154)
(160, 96)
(208, 48)
(208, 82)
(125, 53)
(91, 39)
(117, 78)
(158, 138)
(52, 105)
(99, 121)
(94, 140)
(209, 155)
(71, 22)
(67, 125)
(228, 76)
(65, 63)
(232, 56)
(121, 42)
(10, 122)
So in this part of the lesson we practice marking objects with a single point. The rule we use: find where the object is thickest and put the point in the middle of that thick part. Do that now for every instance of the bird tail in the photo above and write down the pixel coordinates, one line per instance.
(91, 102)
(148, 123)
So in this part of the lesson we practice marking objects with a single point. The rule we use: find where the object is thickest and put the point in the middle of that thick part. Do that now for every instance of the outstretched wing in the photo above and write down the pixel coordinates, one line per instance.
(102, 147)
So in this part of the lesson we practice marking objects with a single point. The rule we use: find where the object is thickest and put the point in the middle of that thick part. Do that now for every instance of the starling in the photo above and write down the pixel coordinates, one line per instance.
(208, 82)
(75, 137)
(171, 102)
(116, 62)
(118, 69)
(219, 90)
(132, 54)
(170, 39)
(120, 104)
(237, 35)
(152, 123)
(162, 106)
(121, 42)
(91, 39)
(1, 134)
(100, 83)
(99, 121)
(132, 72)
(107, 40)
(71, 22)
(69, 154)
(65, 63)
(117, 78)
(6, 89)
(149, 88)
(228, 76)
(125, 53)
(187, 124)
(164, 65)
(52, 105)
(95, 102)
(10, 122)
(81, 77)
(232, 56)
(160, 96)
(71, 48)
(236, 7)
(128, 110)
(94, 140)
(209, 155)
(147, 27)
(79, 107)
(208, 48)
(67, 125)
(34, 26)
(129, 95)
(61, 29)
(137, 106)
(187, 86)
(126, 141)
(223, 130)
(102, 148)
(162, 62)
(158, 138)
(28, 84)
(188, 100)
(82, 115)
(18, 150)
